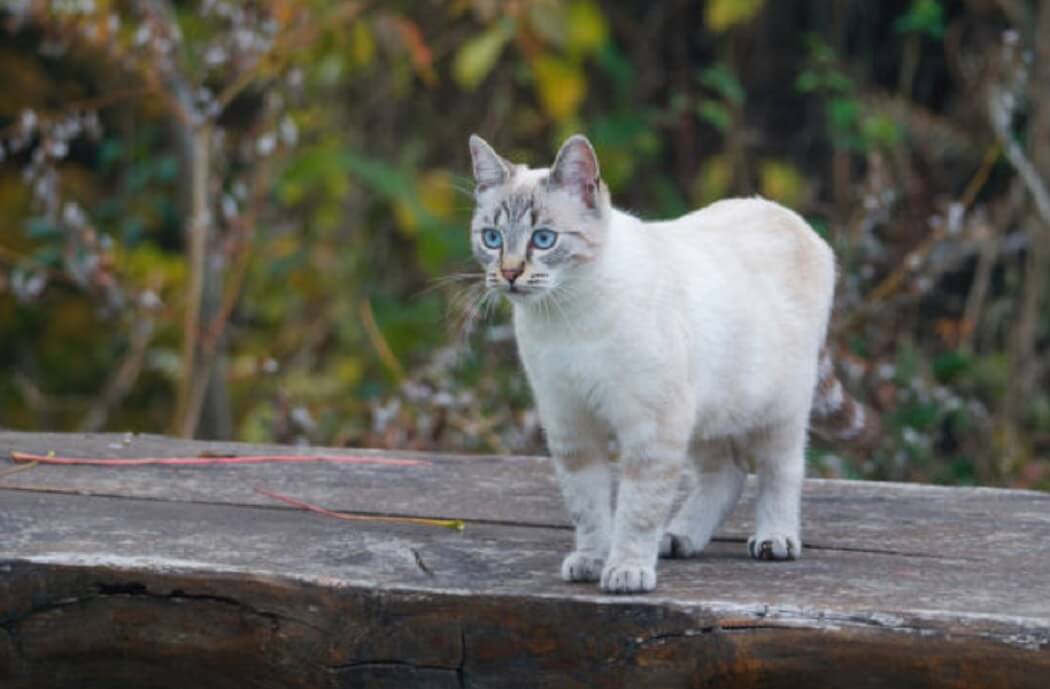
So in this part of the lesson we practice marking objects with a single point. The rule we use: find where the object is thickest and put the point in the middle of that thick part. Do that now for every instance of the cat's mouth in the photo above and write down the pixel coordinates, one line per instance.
(522, 293)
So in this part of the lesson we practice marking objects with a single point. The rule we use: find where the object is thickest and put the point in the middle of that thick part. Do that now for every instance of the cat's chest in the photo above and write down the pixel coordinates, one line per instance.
(569, 355)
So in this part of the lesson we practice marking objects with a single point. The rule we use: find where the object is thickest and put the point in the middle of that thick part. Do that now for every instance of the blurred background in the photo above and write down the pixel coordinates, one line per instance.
(248, 220)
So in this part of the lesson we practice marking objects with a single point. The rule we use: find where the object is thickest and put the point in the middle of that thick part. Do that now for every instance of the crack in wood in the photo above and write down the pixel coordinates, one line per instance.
(138, 590)
(420, 563)
(831, 623)
(456, 673)
(461, 676)
(385, 663)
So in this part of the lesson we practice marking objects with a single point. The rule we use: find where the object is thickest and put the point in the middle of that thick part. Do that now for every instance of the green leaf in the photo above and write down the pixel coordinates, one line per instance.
(950, 365)
(476, 58)
(807, 82)
(167, 168)
(837, 82)
(843, 114)
(42, 228)
(618, 67)
(669, 200)
(781, 181)
(716, 114)
(880, 130)
(381, 177)
(362, 45)
(720, 79)
(50, 255)
(923, 17)
(820, 226)
(587, 27)
(720, 15)
(548, 18)
(713, 181)
(560, 85)
(109, 153)
(922, 416)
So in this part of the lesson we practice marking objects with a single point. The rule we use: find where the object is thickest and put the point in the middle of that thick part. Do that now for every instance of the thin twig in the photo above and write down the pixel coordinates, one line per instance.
(379, 343)
(86, 104)
(1033, 181)
(979, 289)
(124, 379)
(454, 524)
(893, 281)
(298, 39)
(17, 469)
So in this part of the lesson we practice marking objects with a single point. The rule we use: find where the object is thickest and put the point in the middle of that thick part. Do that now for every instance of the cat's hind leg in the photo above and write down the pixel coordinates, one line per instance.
(779, 452)
(714, 487)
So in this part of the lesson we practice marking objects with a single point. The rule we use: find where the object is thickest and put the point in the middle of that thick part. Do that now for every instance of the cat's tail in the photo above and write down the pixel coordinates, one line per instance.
(836, 416)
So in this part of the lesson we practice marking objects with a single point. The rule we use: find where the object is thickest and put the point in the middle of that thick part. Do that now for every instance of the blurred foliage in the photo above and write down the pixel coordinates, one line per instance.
(340, 193)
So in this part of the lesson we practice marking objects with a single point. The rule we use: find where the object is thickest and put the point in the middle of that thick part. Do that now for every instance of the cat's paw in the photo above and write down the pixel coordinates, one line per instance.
(581, 567)
(676, 546)
(774, 546)
(626, 578)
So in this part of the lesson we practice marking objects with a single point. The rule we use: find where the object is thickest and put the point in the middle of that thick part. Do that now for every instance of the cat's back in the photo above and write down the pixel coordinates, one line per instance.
(759, 236)
(744, 220)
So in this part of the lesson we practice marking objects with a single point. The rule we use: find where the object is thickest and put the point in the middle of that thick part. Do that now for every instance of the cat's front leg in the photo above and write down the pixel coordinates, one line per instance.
(583, 473)
(648, 480)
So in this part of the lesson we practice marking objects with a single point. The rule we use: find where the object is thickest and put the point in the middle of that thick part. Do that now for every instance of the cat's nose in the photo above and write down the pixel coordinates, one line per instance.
(513, 273)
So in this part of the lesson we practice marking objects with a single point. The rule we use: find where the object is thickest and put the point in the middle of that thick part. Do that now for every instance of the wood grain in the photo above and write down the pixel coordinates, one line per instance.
(178, 577)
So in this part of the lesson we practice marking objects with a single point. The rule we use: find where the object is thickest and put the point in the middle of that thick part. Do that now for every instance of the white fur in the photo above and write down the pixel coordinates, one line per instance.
(695, 337)
(695, 331)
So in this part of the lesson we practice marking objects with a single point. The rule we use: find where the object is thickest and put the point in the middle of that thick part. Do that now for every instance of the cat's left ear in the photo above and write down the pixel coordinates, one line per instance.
(576, 170)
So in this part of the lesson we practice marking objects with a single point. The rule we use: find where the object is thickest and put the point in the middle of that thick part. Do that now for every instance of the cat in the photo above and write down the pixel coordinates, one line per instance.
(699, 339)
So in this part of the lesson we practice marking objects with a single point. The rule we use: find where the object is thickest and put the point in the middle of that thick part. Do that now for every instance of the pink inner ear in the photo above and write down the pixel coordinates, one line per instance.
(576, 170)
(587, 191)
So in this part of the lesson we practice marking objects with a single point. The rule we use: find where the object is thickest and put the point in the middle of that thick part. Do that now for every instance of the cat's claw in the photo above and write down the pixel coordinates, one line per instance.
(628, 578)
(774, 546)
(581, 567)
(676, 546)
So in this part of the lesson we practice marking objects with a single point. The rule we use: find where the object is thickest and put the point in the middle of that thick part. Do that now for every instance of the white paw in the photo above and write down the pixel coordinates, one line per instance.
(580, 567)
(617, 578)
(774, 546)
(674, 545)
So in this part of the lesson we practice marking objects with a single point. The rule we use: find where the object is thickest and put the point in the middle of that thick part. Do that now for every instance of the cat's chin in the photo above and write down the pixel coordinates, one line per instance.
(525, 297)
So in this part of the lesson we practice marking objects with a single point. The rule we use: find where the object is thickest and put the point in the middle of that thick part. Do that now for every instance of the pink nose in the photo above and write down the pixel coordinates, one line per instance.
(512, 274)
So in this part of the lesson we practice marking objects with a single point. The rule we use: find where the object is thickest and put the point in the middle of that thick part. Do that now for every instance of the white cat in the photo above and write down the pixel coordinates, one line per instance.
(700, 337)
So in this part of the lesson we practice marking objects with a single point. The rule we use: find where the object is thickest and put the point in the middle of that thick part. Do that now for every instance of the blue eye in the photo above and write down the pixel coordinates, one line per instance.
(544, 239)
(491, 238)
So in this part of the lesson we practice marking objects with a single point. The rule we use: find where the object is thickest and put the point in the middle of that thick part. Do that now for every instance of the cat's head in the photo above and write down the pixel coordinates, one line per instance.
(533, 228)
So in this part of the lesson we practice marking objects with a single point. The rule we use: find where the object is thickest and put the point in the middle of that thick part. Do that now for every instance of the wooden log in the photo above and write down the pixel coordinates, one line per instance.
(179, 577)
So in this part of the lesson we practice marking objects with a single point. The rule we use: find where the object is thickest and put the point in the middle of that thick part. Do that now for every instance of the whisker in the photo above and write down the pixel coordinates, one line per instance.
(462, 185)
(556, 298)
(446, 280)
(478, 310)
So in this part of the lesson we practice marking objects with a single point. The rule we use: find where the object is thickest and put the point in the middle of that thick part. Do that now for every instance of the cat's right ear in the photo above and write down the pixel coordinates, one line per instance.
(489, 169)
(575, 169)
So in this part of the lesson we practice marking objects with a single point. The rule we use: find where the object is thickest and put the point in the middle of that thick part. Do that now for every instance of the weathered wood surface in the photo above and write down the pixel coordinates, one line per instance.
(187, 577)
